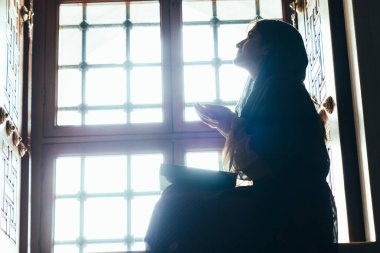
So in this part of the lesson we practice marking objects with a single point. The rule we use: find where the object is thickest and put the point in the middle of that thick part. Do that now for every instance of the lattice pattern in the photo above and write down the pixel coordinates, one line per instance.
(10, 163)
(315, 81)
(315, 76)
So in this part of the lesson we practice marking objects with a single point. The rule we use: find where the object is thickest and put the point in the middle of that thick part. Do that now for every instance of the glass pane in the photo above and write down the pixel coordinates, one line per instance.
(105, 218)
(69, 87)
(104, 174)
(236, 9)
(232, 82)
(106, 13)
(146, 85)
(145, 44)
(196, 10)
(65, 118)
(151, 115)
(106, 86)
(105, 117)
(70, 14)
(142, 208)
(145, 12)
(105, 45)
(66, 249)
(198, 43)
(67, 175)
(337, 187)
(70, 47)
(229, 36)
(209, 160)
(199, 84)
(105, 247)
(271, 9)
(67, 215)
(145, 172)
(191, 114)
(139, 246)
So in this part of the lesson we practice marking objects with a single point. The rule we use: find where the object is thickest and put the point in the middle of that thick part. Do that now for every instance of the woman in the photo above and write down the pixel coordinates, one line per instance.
(276, 139)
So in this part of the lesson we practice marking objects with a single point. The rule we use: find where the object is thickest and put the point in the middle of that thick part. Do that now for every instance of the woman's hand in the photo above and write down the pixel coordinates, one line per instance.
(216, 116)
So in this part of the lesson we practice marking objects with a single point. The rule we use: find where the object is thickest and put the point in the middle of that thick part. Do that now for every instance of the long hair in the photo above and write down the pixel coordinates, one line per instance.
(284, 65)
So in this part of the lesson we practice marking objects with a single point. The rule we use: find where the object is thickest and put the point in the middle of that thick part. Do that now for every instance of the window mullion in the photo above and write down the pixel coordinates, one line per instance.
(216, 62)
(82, 66)
(128, 63)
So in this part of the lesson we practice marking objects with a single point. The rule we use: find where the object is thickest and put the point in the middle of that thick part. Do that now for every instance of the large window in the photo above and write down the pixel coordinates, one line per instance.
(121, 82)
(134, 70)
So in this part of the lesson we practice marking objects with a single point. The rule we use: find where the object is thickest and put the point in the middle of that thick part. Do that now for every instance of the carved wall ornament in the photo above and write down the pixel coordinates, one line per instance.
(22, 149)
(9, 128)
(3, 115)
(297, 5)
(16, 138)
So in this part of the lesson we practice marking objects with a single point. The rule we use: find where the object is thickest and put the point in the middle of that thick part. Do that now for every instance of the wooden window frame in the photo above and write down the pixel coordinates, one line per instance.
(52, 151)
(48, 140)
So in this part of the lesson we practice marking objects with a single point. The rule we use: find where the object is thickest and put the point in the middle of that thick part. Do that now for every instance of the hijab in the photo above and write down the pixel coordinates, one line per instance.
(289, 139)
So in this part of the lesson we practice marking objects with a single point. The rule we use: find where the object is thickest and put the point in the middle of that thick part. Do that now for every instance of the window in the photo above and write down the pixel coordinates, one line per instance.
(108, 202)
(109, 64)
(121, 82)
(116, 74)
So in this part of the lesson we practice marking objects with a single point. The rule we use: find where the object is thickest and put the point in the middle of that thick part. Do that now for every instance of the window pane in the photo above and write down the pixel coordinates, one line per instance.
(67, 175)
(199, 84)
(66, 219)
(236, 9)
(145, 44)
(105, 45)
(232, 82)
(106, 86)
(198, 43)
(105, 218)
(229, 36)
(106, 13)
(70, 47)
(196, 10)
(271, 9)
(191, 114)
(146, 85)
(69, 87)
(151, 115)
(70, 14)
(145, 172)
(209, 160)
(142, 208)
(105, 117)
(104, 247)
(336, 183)
(145, 12)
(66, 249)
(139, 246)
(68, 118)
(105, 174)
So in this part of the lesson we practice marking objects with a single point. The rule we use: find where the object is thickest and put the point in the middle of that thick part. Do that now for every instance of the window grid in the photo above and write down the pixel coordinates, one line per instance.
(82, 196)
(128, 107)
(216, 62)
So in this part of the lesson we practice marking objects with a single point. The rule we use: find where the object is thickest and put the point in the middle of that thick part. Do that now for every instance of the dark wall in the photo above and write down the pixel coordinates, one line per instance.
(367, 28)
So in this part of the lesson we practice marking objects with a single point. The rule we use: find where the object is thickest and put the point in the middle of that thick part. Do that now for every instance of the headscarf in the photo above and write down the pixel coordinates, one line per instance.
(284, 127)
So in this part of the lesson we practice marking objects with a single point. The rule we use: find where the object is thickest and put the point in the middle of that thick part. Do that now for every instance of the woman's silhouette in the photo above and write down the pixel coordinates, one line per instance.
(276, 138)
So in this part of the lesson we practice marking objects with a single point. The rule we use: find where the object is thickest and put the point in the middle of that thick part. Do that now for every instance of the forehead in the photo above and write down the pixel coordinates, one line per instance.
(254, 33)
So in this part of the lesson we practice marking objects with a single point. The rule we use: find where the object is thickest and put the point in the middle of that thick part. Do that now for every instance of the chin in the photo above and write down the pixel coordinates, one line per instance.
(240, 63)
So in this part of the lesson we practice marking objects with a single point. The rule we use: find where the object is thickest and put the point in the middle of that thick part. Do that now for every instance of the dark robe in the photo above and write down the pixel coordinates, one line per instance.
(292, 212)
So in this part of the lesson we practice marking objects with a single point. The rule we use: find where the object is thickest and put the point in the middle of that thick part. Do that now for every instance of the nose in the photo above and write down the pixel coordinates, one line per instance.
(240, 44)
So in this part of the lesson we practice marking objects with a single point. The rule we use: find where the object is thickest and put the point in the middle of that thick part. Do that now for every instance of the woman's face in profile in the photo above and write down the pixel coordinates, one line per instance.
(251, 52)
